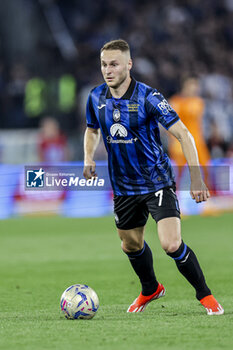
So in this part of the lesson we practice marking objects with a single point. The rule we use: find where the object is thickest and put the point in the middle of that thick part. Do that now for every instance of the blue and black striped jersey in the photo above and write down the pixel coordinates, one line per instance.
(137, 162)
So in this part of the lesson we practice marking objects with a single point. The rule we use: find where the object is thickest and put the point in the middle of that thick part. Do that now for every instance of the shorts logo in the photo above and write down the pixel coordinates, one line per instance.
(165, 107)
(35, 178)
(118, 130)
(116, 218)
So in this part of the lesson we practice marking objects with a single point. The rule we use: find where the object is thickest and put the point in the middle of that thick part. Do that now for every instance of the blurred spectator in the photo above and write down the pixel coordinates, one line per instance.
(2, 92)
(190, 108)
(52, 142)
(14, 96)
(216, 142)
(218, 117)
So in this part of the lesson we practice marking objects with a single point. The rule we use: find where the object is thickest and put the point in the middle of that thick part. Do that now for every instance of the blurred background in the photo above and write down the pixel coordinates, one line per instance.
(49, 61)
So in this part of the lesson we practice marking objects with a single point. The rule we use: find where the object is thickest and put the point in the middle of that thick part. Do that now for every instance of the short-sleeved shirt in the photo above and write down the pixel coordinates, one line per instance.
(137, 163)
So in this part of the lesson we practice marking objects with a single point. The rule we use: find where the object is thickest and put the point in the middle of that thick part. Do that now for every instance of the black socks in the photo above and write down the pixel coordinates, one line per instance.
(187, 264)
(142, 263)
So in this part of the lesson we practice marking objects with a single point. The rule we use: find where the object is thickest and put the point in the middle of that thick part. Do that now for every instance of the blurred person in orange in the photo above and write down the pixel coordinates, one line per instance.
(190, 108)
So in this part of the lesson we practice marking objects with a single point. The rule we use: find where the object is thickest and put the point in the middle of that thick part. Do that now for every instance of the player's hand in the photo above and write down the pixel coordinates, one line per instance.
(89, 170)
(199, 191)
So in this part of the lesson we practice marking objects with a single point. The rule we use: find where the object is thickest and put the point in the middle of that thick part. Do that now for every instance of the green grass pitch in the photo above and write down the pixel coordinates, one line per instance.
(40, 257)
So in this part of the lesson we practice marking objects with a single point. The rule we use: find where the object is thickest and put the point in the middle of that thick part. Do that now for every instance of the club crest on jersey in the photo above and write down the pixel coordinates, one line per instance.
(118, 130)
(116, 115)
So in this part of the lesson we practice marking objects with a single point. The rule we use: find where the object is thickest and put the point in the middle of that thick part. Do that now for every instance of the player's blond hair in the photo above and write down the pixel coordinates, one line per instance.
(118, 44)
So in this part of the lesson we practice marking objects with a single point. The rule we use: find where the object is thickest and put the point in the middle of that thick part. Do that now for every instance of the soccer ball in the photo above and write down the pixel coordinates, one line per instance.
(79, 301)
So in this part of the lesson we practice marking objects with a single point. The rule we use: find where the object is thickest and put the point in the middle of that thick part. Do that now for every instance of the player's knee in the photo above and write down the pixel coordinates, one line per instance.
(130, 246)
(171, 247)
(131, 241)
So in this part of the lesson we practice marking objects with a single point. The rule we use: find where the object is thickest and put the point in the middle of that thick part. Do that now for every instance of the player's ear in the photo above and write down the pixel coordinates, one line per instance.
(130, 64)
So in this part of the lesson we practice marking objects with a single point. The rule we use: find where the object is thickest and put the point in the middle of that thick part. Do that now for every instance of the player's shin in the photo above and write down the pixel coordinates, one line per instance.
(142, 263)
(187, 264)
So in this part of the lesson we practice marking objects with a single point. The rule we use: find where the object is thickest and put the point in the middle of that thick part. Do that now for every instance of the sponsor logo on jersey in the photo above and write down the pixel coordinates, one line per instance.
(118, 130)
(111, 140)
(165, 107)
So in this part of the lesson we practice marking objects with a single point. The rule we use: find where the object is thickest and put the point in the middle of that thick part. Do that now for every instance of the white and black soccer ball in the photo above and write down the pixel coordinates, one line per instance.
(79, 302)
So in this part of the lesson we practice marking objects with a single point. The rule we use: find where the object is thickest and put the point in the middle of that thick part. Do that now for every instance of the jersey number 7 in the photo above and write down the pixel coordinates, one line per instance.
(160, 195)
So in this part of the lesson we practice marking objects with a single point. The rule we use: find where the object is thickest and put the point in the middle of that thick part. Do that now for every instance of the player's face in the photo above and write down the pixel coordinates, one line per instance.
(115, 67)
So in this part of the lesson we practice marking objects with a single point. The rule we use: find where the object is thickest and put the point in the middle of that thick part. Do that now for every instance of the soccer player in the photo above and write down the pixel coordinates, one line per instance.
(127, 114)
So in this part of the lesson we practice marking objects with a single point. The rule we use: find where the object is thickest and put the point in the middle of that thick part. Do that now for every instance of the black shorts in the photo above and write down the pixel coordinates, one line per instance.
(133, 211)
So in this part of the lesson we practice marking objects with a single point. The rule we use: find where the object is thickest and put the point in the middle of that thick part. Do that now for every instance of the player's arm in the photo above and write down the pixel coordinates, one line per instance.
(198, 190)
(91, 141)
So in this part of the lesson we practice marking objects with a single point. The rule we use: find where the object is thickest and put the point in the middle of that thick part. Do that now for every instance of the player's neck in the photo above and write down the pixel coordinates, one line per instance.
(121, 90)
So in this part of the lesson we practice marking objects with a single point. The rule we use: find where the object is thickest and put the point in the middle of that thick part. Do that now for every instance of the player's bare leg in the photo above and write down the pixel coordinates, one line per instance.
(169, 233)
(141, 259)
(132, 240)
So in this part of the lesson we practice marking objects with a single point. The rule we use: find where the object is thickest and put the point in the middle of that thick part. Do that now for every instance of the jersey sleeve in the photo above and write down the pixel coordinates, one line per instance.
(92, 121)
(157, 107)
